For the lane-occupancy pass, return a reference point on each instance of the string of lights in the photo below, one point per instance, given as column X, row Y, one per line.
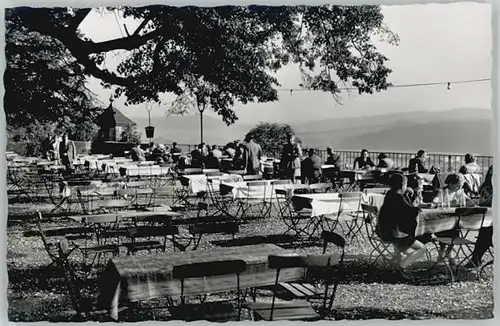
column 447, row 84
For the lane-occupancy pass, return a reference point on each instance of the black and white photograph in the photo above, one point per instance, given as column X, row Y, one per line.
column 249, row 162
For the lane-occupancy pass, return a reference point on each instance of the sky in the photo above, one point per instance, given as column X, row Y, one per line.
column 438, row 43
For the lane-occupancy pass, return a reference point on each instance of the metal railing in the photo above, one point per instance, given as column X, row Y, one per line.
column 445, row 162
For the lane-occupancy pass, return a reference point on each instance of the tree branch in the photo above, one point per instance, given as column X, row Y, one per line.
column 141, row 26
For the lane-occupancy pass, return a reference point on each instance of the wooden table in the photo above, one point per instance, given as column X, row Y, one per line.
column 136, row 278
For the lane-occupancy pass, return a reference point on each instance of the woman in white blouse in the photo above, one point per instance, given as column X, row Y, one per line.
column 452, row 195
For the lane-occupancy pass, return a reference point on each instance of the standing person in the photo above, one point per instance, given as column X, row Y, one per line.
column 363, row 161
column 240, row 160
column 47, row 149
column 67, row 152
column 290, row 159
column 254, row 156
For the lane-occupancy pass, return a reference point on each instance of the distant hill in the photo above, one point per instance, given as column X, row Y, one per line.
column 186, row 129
column 453, row 131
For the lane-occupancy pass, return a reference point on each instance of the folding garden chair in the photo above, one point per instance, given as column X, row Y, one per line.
column 164, row 232
column 296, row 221
column 464, row 246
column 200, row 229
column 84, row 306
column 298, row 308
column 203, row 311
column 322, row 272
column 256, row 201
column 382, row 250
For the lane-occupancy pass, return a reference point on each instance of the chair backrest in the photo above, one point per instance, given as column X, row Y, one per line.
column 205, row 269
column 214, row 228
column 252, row 177
column 46, row 244
column 332, row 237
column 251, row 184
column 151, row 231
column 351, row 194
column 205, row 171
column 212, row 174
column 323, row 187
column 189, row 171
column 382, row 191
column 471, row 223
column 70, row 276
column 281, row 182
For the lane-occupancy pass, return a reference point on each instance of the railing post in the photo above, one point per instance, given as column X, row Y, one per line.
column 449, row 163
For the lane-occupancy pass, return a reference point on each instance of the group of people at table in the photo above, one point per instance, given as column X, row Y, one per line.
column 403, row 202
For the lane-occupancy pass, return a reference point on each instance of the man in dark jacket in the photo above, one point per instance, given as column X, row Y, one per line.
column 311, row 167
column 418, row 163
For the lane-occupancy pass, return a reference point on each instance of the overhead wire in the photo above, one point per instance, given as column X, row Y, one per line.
column 447, row 83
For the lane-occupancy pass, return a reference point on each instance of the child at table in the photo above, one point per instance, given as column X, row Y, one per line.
column 453, row 194
column 415, row 190
column 397, row 222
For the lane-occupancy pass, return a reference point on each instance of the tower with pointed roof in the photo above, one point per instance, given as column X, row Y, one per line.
column 113, row 123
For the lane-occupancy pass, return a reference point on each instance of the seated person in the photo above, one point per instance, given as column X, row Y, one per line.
column 418, row 164
column 485, row 236
column 364, row 161
column 159, row 154
column 414, row 192
column 137, row 154
column 212, row 162
column 311, row 167
column 216, row 152
column 397, row 222
column 384, row 162
column 230, row 150
column 175, row 152
column 197, row 157
column 470, row 165
column 332, row 158
column 452, row 194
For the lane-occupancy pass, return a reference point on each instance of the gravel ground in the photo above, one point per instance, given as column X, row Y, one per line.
column 363, row 295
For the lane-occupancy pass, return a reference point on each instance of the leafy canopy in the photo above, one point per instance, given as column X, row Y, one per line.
column 272, row 137
column 44, row 84
column 214, row 57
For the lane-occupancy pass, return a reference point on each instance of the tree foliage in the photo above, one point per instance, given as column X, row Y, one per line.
column 271, row 136
column 222, row 55
column 44, row 84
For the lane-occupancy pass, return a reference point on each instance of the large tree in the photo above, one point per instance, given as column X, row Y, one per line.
column 272, row 137
column 217, row 56
column 44, row 84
